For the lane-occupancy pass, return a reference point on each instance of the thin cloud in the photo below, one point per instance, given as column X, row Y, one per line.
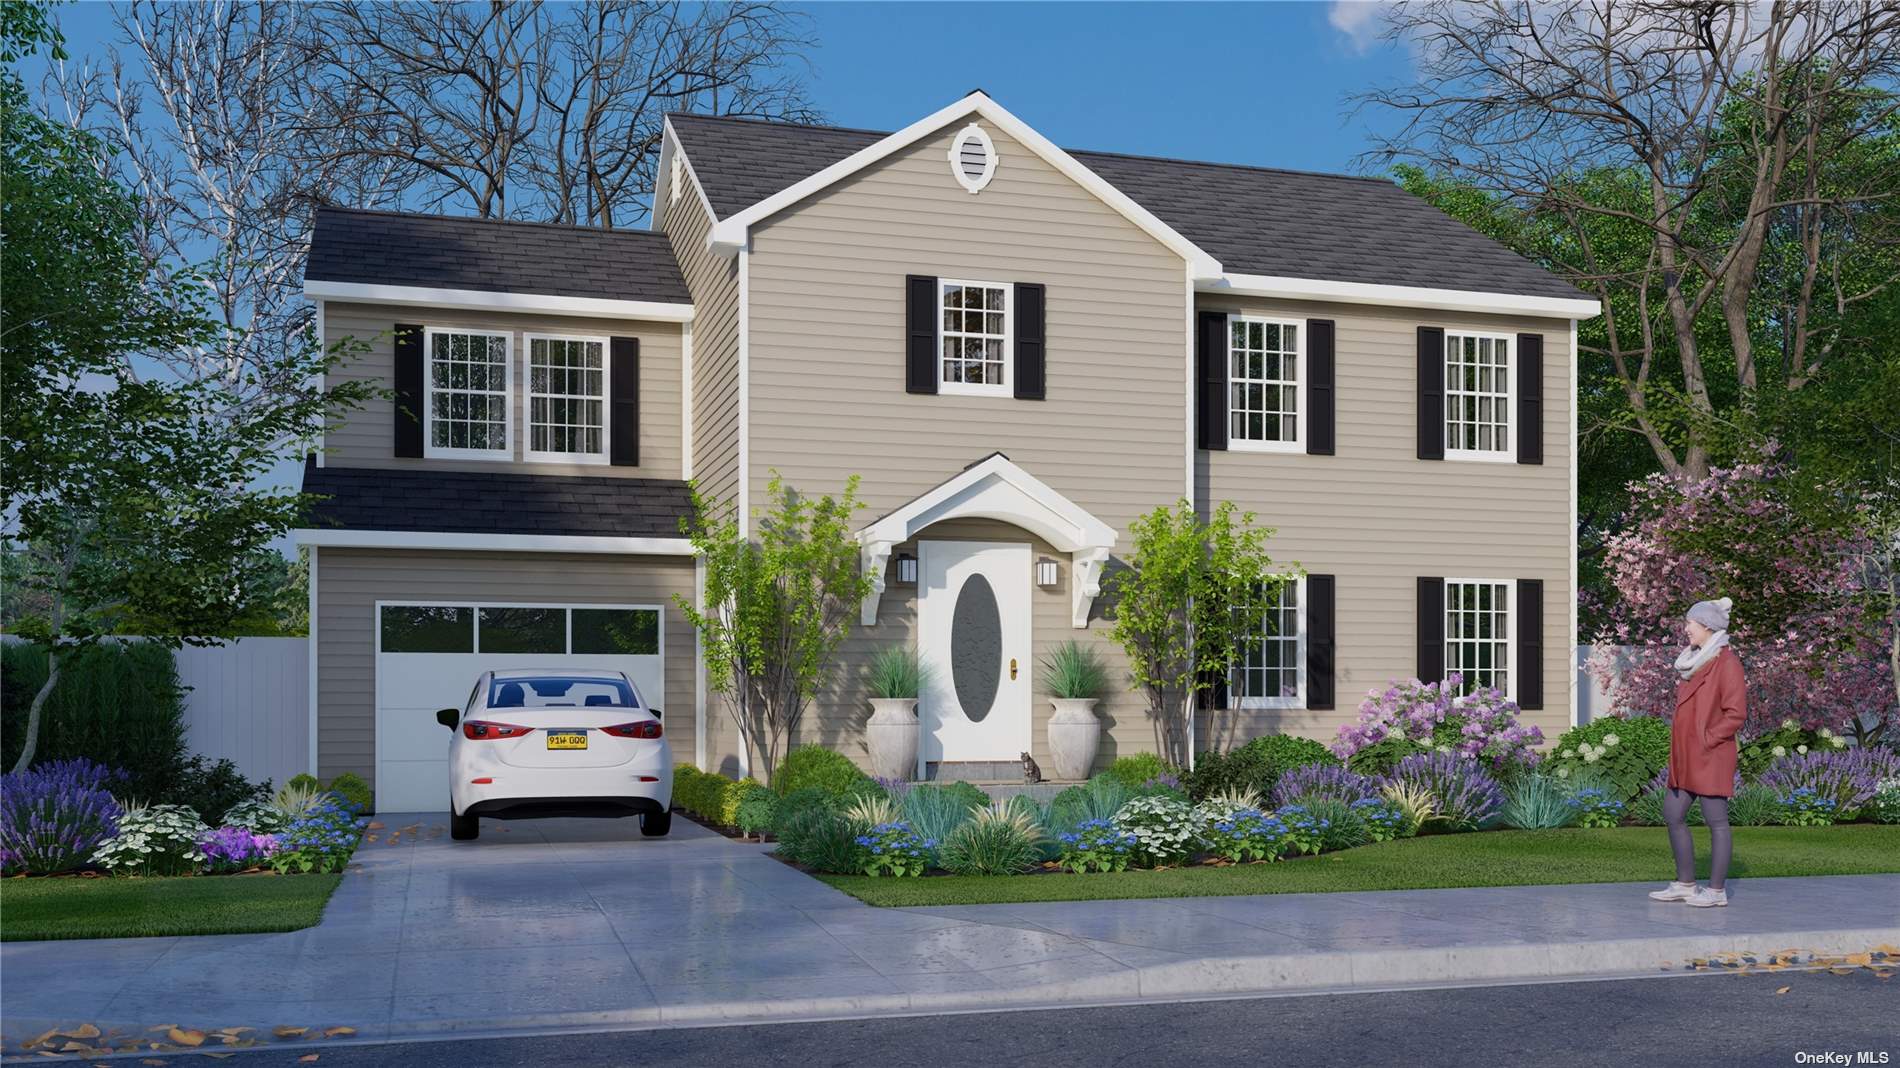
column 1358, row 20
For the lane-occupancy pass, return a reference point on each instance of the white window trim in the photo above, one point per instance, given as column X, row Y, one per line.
column 973, row 132
column 1510, row 629
column 430, row 450
column 1005, row 388
column 1298, row 444
column 567, row 621
column 529, row 453
column 1493, row 456
column 1298, row 700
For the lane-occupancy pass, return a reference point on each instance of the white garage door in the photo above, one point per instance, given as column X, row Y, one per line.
column 428, row 657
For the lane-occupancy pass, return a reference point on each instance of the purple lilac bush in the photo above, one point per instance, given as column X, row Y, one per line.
column 230, row 849
column 53, row 815
column 1465, row 793
column 1848, row 777
column 1328, row 781
column 1482, row 725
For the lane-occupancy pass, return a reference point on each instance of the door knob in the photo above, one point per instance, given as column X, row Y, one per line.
column 1012, row 669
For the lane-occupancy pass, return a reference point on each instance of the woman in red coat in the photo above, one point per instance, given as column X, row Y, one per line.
column 1710, row 709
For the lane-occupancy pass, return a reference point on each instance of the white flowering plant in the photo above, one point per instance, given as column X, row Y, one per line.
column 1165, row 830
column 1755, row 754
column 1886, row 804
column 154, row 840
column 1616, row 754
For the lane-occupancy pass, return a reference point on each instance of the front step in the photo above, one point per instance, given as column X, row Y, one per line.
column 974, row 771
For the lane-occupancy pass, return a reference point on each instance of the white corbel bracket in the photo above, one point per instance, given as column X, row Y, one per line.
column 873, row 554
column 1086, row 583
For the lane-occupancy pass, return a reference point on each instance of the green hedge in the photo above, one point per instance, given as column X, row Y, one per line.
column 117, row 703
column 1256, row 766
column 709, row 795
column 815, row 767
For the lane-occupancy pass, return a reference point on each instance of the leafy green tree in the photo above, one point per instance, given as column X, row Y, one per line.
column 776, row 607
column 131, row 496
column 1193, row 593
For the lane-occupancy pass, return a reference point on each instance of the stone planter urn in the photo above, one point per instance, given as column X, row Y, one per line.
column 891, row 735
column 1074, row 734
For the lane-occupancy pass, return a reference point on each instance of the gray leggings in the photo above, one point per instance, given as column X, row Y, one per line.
column 1714, row 813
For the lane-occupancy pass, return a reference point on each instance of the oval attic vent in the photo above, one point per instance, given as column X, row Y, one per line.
column 973, row 158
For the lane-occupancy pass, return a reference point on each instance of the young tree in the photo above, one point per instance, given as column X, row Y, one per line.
column 1192, row 594
column 776, row 608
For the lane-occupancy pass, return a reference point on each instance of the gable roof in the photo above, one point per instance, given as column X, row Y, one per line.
column 1253, row 220
column 353, row 245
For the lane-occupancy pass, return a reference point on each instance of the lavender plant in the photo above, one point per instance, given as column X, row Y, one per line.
column 1323, row 781
column 53, row 816
column 235, row 848
column 1848, row 777
column 1464, row 795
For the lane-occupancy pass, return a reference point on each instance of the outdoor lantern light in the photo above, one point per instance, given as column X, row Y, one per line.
column 1048, row 572
column 907, row 569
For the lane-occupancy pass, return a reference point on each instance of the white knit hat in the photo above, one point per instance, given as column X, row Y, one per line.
column 1712, row 614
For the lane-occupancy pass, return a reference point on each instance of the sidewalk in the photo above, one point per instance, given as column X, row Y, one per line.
column 562, row 925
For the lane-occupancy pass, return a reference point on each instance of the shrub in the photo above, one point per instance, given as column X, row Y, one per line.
column 1075, row 671
column 1343, row 827
column 814, row 766
column 1597, row 807
column 1329, row 781
column 1255, row 766
column 297, row 797
column 938, row 810
column 234, row 848
column 1098, row 799
column 1163, row 828
column 1305, row 832
column 1245, row 835
column 210, row 790
column 1383, row 755
column 1139, row 768
column 1003, row 840
column 1463, row 794
column 1482, row 724
column 320, row 840
column 896, row 672
column 53, row 816
column 1383, row 820
column 350, row 787
column 812, row 831
column 1538, row 802
column 1804, row 806
column 1754, row 805
column 753, row 813
column 1887, row 801
column 1848, row 777
column 1618, row 754
column 154, row 840
column 117, row 703
column 709, row 795
column 1096, row 845
column 893, row 849
column 1047, row 847
column 304, row 781
column 1755, row 756
column 256, row 816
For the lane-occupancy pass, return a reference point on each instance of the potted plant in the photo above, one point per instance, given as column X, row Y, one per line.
column 1076, row 678
column 896, row 679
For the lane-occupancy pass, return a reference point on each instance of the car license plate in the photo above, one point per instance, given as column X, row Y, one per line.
column 567, row 739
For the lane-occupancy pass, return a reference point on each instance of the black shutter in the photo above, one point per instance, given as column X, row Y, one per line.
column 1431, row 393
column 1319, row 641
column 623, row 379
column 1431, row 629
column 408, row 382
column 1029, row 341
column 1319, row 388
column 1530, row 643
column 920, row 351
column 1210, row 357
column 1530, row 400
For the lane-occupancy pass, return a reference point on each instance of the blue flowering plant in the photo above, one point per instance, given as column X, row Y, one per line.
column 1804, row 806
column 1384, row 820
column 1244, row 836
column 894, row 849
column 54, row 815
column 1096, row 845
column 1305, row 832
column 1597, row 807
column 321, row 839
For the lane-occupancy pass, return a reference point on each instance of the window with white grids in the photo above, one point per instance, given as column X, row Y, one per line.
column 1478, row 632
column 468, row 401
column 974, row 339
column 1272, row 668
column 567, row 399
column 1263, row 382
column 1478, row 396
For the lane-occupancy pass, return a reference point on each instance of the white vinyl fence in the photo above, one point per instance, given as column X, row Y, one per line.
column 248, row 701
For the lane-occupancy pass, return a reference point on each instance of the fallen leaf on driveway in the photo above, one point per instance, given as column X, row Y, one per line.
column 308, row 1058
column 339, row 1032
column 31, row 1042
column 289, row 1032
column 186, row 1037
column 1783, row 990
column 87, row 1031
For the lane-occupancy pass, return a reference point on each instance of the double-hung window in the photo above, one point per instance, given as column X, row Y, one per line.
column 567, row 399
column 1479, row 396
column 1478, row 632
column 467, row 403
column 974, row 341
column 1272, row 668
column 1265, row 387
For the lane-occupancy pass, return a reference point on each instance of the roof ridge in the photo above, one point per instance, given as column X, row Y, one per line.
column 565, row 227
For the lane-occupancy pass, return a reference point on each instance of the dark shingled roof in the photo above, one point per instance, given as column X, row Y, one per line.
column 492, row 255
column 1255, row 220
column 494, row 502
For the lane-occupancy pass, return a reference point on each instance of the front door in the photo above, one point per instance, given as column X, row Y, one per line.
column 973, row 633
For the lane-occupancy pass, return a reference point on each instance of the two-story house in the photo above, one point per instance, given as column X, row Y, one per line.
column 1020, row 349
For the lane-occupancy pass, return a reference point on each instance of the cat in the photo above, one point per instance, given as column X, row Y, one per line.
column 1032, row 772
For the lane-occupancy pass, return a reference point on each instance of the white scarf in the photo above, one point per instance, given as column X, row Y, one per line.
column 1693, row 658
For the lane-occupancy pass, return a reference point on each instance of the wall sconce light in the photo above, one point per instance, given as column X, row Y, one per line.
column 907, row 569
column 1048, row 572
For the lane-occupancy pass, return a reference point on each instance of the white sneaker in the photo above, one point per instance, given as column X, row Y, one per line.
column 1707, row 898
column 1674, row 892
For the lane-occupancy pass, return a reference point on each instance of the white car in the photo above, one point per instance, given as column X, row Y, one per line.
column 557, row 743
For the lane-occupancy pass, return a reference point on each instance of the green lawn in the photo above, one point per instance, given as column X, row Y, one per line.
column 1488, row 858
column 140, row 908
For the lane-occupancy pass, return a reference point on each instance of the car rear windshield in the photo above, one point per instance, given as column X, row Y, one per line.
column 561, row 691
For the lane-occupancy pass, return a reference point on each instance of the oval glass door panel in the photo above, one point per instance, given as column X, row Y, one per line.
column 976, row 648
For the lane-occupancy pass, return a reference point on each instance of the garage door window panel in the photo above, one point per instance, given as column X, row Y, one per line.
column 428, row 629
column 523, row 630
column 616, row 631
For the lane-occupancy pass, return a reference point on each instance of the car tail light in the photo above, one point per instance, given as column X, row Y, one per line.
column 487, row 730
column 646, row 728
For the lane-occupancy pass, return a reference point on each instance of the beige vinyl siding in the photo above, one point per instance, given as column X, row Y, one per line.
column 1378, row 518
column 826, row 370
column 365, row 437
column 351, row 581
column 713, row 281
